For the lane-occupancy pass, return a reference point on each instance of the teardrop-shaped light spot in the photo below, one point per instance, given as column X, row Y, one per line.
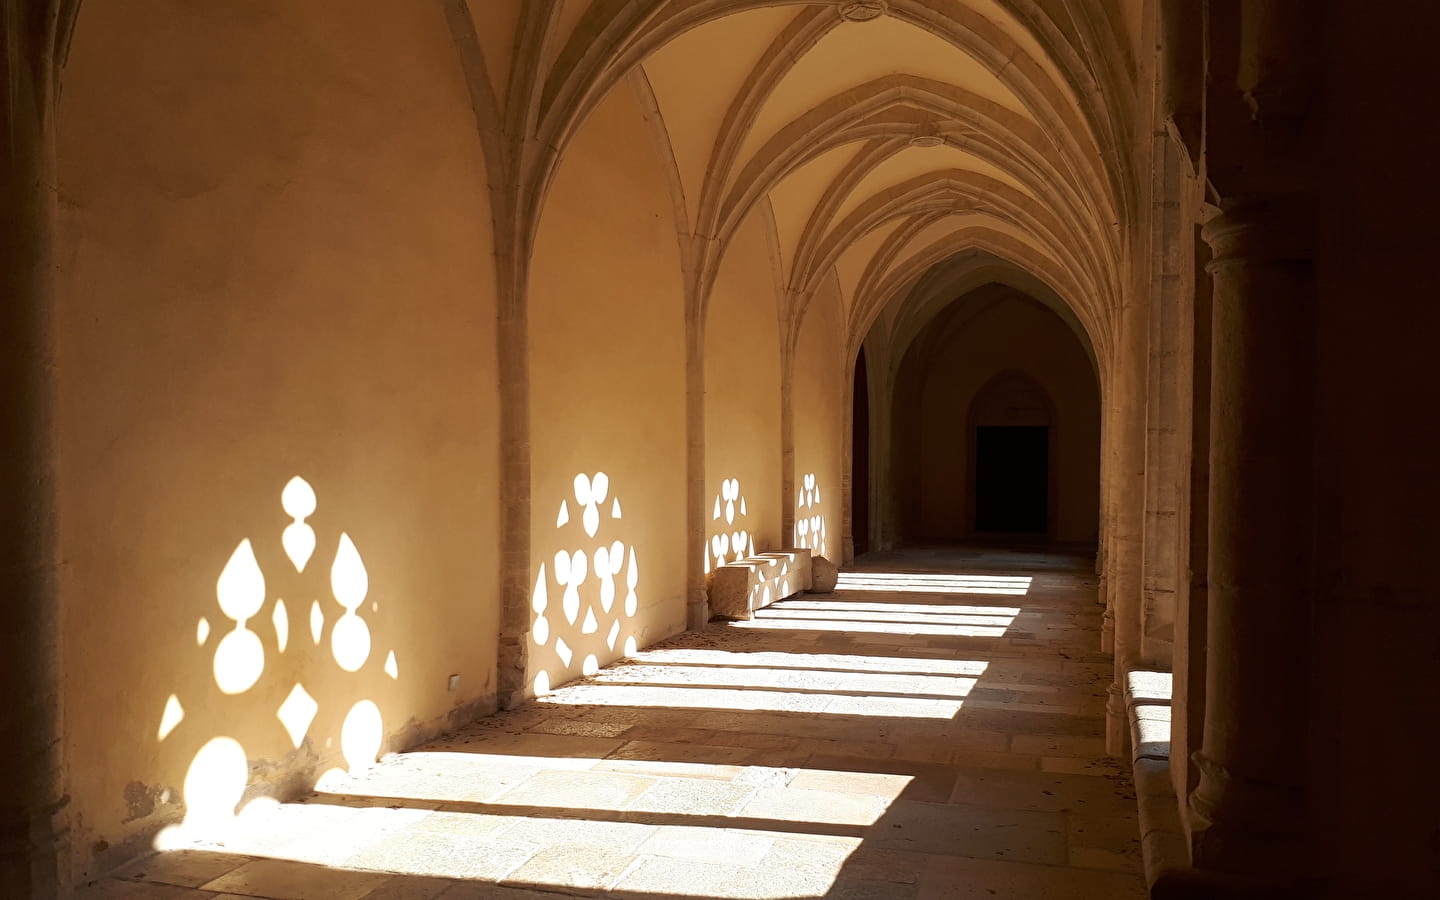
column 614, row 636
column 542, row 684
column 631, row 648
column 591, row 665
column 717, row 509
column 591, row 624
column 632, row 575
column 317, row 622
column 281, row 620
column 615, row 509
column 582, row 489
column 599, row 487
column 607, row 591
column 540, row 631
column 174, row 713
column 579, row 567
column 562, row 567
column 348, row 579
column 298, row 539
column 743, row 511
column 602, row 560
column 729, row 511
column 617, row 557
column 202, row 631
column 563, row 651
column 392, row 668
column 591, row 519
column 241, row 585
column 570, row 603
column 563, row 518
column 541, row 597
column 817, row 495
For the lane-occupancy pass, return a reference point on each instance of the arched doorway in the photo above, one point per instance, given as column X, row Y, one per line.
column 1011, row 432
column 860, row 458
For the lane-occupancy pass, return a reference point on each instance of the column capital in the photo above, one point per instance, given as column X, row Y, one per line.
column 1273, row 228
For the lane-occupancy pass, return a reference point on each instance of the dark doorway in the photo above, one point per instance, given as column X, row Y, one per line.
column 1012, row 479
column 860, row 459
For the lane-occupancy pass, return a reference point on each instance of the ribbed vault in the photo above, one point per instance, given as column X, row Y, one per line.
column 886, row 137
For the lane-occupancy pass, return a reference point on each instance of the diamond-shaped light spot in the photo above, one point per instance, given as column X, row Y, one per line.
column 297, row 712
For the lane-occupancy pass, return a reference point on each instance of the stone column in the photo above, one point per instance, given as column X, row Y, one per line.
column 29, row 642
column 1248, row 807
column 1125, row 548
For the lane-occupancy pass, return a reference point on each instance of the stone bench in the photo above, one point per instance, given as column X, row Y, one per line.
column 739, row 588
column 1162, row 837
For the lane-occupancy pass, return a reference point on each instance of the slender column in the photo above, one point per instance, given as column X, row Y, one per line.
column 1247, row 809
column 697, row 601
column 1125, row 549
column 29, row 642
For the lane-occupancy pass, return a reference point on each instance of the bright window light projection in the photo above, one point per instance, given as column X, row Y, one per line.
column 1012, row 585
column 532, row 783
column 585, row 598
column 247, row 652
column 729, row 540
column 809, row 520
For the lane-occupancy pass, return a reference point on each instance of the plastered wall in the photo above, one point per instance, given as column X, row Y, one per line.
column 742, row 402
column 819, row 401
column 607, row 411
column 937, row 386
column 273, row 262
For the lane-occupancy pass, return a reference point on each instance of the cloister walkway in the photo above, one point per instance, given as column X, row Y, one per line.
column 932, row 729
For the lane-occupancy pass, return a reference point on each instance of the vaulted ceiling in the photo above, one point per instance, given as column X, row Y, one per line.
column 901, row 146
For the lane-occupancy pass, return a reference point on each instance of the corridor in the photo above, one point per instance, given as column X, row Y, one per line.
column 934, row 728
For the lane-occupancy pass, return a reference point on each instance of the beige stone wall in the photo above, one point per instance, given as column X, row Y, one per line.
column 607, row 366
column 273, row 262
column 932, row 453
column 820, row 397
column 742, row 401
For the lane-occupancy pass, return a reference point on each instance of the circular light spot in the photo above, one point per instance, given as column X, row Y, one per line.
column 214, row 783
column 361, row 735
column 541, row 631
column 239, row 660
column 298, row 498
column 350, row 642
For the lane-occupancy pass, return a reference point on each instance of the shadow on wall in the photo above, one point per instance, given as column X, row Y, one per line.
column 729, row 540
column 590, row 622
column 810, row 520
column 268, row 629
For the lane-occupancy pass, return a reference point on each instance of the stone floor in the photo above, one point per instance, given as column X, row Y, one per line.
column 931, row 730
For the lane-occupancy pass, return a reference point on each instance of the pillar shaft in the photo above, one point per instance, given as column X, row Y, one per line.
column 29, row 714
column 1248, row 805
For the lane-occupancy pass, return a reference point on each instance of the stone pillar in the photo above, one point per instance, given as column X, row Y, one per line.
column 1125, row 548
column 29, row 641
column 1248, row 807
